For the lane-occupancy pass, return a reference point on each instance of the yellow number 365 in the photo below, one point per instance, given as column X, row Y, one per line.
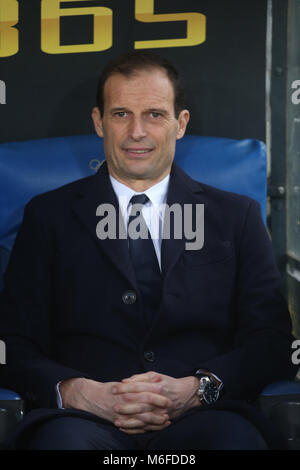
column 51, row 12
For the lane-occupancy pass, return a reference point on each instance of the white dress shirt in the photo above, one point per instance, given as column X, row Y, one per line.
column 153, row 210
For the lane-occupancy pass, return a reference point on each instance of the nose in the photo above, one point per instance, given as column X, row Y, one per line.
column 137, row 128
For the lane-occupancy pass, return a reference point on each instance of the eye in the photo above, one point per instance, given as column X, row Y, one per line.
column 120, row 114
column 155, row 114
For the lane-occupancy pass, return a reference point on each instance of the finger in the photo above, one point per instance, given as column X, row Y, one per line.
column 132, row 431
column 156, row 427
column 147, row 377
column 136, row 408
column 138, row 421
column 129, row 423
column 136, row 387
column 148, row 398
column 153, row 418
column 146, row 428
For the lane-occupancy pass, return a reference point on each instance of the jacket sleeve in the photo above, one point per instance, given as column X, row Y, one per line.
column 262, row 347
column 25, row 315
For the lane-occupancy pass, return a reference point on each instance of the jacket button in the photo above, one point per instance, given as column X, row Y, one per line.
column 149, row 356
column 129, row 297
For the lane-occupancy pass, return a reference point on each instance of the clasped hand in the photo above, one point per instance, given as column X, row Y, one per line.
column 151, row 400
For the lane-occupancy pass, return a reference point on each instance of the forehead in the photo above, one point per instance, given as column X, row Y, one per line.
column 150, row 88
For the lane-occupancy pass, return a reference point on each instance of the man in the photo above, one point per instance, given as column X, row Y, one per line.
column 122, row 345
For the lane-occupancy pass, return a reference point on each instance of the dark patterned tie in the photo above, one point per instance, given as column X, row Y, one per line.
column 143, row 256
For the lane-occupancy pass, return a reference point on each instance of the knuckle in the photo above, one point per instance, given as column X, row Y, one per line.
column 150, row 398
column 127, row 397
column 162, row 419
column 147, row 417
column 145, row 397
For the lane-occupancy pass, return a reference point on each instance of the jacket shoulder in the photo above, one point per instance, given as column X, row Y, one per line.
column 60, row 195
column 228, row 197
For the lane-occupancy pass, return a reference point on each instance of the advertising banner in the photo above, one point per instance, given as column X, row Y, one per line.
column 52, row 51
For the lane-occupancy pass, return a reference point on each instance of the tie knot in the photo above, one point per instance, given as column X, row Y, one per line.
column 139, row 199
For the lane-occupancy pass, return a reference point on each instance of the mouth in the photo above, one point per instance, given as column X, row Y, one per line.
column 138, row 152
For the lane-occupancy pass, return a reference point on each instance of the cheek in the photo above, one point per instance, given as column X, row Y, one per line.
column 169, row 143
column 111, row 140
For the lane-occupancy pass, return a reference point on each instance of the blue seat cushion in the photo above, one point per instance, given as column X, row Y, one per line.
column 6, row 394
column 285, row 387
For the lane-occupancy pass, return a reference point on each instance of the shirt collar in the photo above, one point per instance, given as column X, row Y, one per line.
column 156, row 193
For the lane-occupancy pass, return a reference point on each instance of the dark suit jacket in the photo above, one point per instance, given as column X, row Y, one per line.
column 64, row 313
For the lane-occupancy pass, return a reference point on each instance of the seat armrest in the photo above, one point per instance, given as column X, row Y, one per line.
column 11, row 413
column 280, row 402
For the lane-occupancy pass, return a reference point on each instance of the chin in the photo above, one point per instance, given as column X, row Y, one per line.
column 139, row 173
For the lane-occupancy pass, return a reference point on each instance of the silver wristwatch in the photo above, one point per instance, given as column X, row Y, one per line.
column 210, row 386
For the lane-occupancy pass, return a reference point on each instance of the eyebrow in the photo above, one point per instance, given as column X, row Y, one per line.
column 112, row 110
column 158, row 110
column 149, row 110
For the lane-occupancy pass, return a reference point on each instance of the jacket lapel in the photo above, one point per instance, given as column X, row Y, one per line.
column 99, row 191
column 182, row 190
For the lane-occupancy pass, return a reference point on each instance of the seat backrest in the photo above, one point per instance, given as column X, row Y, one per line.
column 33, row 167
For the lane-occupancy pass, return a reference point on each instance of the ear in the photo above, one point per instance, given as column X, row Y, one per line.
column 183, row 120
column 97, row 119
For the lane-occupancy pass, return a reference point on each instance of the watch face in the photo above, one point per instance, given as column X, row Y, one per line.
column 211, row 392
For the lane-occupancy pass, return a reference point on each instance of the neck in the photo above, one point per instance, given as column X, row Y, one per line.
column 139, row 185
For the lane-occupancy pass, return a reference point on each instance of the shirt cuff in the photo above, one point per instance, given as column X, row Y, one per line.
column 58, row 396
